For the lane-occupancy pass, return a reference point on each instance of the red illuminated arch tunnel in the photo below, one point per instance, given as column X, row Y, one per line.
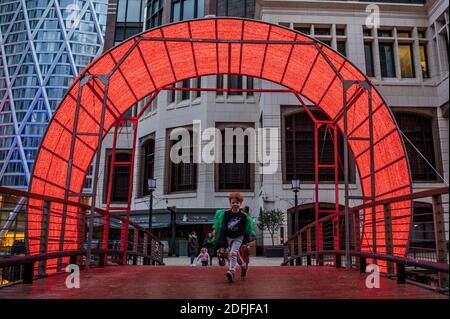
column 146, row 63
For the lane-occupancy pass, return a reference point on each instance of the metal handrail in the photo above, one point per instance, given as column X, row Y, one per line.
column 412, row 196
column 25, row 264
column 293, row 248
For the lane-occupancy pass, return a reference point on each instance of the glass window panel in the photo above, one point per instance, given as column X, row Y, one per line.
column 235, row 82
column 134, row 11
column 385, row 33
column 176, row 12
column 219, row 84
column 341, row 48
column 188, row 9
column 340, row 31
column 304, row 30
column 200, row 8
column 369, row 59
column 406, row 60
column 322, row 31
column 424, row 61
column 121, row 10
column 387, row 60
column 419, row 131
column 236, row 8
column 250, row 85
column 404, row 34
column 185, row 93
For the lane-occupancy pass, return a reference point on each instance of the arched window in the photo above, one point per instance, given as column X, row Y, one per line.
column 418, row 129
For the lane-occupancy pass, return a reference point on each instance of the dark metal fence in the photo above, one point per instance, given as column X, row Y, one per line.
column 18, row 263
column 426, row 259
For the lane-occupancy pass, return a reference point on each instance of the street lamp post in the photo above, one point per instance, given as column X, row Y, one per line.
column 151, row 188
column 295, row 189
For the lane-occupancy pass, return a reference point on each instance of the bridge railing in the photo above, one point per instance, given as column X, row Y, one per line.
column 23, row 259
column 426, row 260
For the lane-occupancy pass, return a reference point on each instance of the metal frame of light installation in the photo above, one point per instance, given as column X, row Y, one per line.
column 125, row 66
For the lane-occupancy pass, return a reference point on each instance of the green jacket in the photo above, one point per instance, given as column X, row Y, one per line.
column 219, row 226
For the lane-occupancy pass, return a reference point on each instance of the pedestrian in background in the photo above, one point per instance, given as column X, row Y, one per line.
column 193, row 246
column 209, row 244
column 203, row 256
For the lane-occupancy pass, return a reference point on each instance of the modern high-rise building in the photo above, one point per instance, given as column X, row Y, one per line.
column 44, row 44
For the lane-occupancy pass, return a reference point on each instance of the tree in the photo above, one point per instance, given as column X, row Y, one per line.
column 271, row 220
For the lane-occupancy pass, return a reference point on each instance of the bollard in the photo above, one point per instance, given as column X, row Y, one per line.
column 362, row 265
column 101, row 260
column 28, row 273
column 338, row 261
column 401, row 273
column 73, row 260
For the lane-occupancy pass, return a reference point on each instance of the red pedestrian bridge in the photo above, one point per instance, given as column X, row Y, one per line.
column 141, row 273
column 327, row 258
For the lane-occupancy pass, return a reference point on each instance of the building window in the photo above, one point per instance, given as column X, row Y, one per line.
column 327, row 42
column 318, row 31
column 120, row 178
column 250, row 85
column 403, row 34
column 299, row 148
column 235, row 82
column 387, row 60
column 424, row 61
column 238, row 174
column 418, row 129
column 304, row 30
column 186, row 84
column 341, row 48
column 367, row 32
column 340, row 31
column 219, row 84
column 406, row 60
column 154, row 13
column 197, row 85
column 187, row 9
column 148, row 161
column 385, row 33
column 369, row 59
column 171, row 94
column 422, row 232
column 183, row 175
column 236, row 8
column 129, row 19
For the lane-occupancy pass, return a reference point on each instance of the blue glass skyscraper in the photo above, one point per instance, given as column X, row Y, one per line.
column 43, row 46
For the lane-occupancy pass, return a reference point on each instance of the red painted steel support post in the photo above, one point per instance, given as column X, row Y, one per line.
column 106, row 218
column 125, row 223
column 308, row 241
column 316, row 183
column 336, row 240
